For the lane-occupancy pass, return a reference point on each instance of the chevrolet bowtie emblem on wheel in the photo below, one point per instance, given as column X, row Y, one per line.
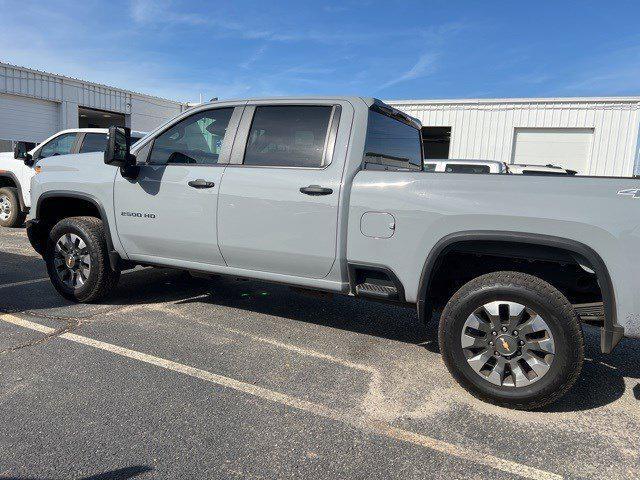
column 633, row 192
column 505, row 344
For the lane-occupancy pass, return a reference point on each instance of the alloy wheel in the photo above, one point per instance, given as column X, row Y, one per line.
column 72, row 260
column 5, row 208
column 508, row 344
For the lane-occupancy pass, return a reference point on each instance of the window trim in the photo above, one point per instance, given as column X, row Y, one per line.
column 239, row 150
column 227, row 142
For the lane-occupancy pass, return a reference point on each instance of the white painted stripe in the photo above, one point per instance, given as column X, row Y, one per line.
column 24, row 282
column 368, row 424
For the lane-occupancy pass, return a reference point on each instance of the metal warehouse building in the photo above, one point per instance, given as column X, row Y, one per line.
column 594, row 136
column 34, row 105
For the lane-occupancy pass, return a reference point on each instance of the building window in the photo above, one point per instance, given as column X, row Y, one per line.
column 436, row 141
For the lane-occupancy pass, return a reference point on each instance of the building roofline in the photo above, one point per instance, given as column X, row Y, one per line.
column 95, row 84
column 480, row 101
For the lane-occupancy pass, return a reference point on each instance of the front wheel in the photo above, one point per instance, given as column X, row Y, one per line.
column 78, row 261
column 512, row 339
column 10, row 213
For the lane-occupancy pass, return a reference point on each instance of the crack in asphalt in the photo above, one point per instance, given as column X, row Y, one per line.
column 71, row 325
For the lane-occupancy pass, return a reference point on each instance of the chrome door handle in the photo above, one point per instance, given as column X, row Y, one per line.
column 201, row 183
column 316, row 190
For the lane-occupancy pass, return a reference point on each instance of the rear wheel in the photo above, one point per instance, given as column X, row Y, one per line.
column 77, row 260
column 10, row 213
column 512, row 339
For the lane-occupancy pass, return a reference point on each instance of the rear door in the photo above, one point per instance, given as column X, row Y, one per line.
column 278, row 204
column 168, row 212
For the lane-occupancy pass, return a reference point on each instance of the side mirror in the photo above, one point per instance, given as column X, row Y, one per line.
column 21, row 152
column 118, row 146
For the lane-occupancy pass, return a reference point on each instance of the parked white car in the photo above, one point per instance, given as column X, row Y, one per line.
column 17, row 167
column 491, row 166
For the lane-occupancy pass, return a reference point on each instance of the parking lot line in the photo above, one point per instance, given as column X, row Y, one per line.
column 24, row 282
column 368, row 424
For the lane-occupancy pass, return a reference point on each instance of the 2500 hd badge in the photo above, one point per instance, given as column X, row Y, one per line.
column 138, row 214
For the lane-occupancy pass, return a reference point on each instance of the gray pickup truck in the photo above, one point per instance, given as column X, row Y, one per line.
column 329, row 194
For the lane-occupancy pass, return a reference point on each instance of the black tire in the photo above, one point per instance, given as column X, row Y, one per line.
column 535, row 294
column 102, row 279
column 15, row 216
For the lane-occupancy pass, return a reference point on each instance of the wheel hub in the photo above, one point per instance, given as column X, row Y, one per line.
column 508, row 344
column 70, row 261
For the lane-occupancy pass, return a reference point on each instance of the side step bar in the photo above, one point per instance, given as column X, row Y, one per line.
column 373, row 290
column 590, row 312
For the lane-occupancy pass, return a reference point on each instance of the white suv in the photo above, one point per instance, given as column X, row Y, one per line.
column 17, row 168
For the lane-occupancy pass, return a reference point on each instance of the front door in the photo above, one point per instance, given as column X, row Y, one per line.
column 168, row 212
column 278, row 205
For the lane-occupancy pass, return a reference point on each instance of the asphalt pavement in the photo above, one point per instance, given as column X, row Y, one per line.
column 175, row 377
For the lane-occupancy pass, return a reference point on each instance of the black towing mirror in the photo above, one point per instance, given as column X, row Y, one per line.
column 118, row 152
column 21, row 152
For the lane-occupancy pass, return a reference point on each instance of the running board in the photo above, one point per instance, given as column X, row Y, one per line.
column 373, row 290
column 590, row 312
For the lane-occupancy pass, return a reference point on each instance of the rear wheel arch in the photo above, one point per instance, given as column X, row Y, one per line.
column 611, row 331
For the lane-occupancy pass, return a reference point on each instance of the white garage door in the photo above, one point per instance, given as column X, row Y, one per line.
column 565, row 147
column 27, row 119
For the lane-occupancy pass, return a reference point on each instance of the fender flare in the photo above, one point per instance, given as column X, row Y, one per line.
column 11, row 176
column 611, row 332
column 114, row 257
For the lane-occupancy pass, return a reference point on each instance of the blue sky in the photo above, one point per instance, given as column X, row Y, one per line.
column 388, row 49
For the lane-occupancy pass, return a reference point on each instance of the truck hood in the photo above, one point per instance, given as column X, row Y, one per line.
column 7, row 162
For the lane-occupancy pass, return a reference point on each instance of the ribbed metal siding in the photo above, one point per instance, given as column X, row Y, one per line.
column 27, row 119
column 29, row 83
column 486, row 130
column 104, row 98
column 17, row 81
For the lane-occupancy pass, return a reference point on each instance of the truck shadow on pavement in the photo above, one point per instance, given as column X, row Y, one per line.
column 602, row 381
column 119, row 474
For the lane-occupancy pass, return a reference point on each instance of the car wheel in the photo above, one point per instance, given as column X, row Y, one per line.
column 10, row 213
column 78, row 261
column 512, row 339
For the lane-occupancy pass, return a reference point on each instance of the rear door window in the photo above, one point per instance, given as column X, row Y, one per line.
column 94, row 142
column 288, row 136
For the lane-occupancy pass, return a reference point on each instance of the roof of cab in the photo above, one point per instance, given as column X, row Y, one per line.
column 368, row 101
